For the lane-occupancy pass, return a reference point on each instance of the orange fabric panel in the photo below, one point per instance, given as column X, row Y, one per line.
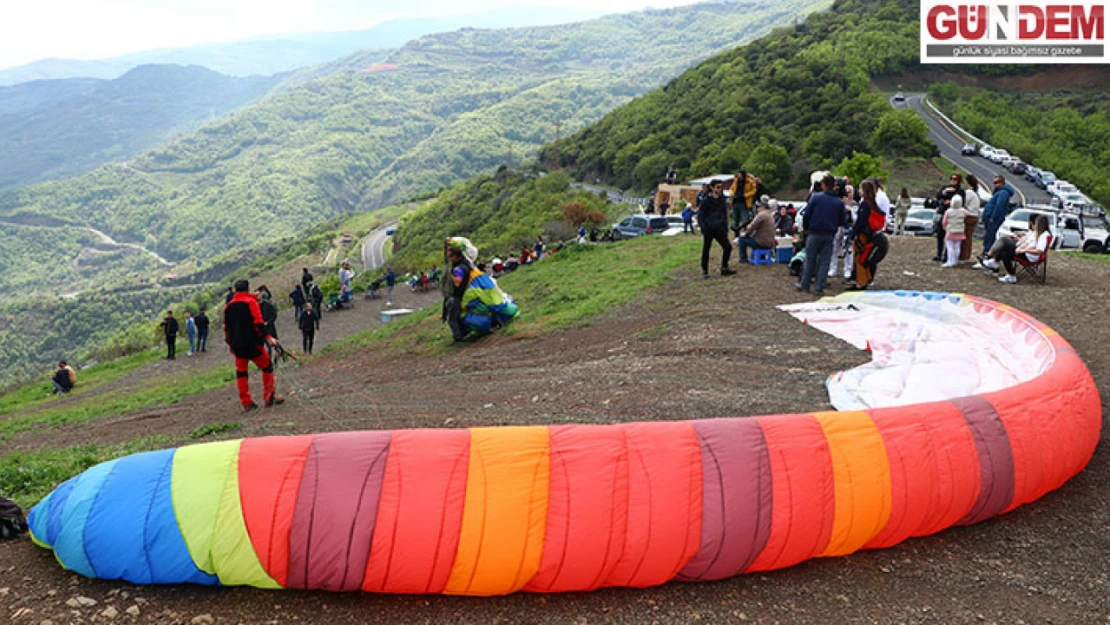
column 269, row 479
column 664, row 503
column 934, row 469
column 420, row 512
column 802, row 491
column 501, row 542
column 861, row 473
column 587, row 509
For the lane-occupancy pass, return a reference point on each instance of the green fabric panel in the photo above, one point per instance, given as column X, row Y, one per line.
column 206, row 502
column 199, row 475
column 237, row 563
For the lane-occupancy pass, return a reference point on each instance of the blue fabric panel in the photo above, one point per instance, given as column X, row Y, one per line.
column 483, row 281
column 69, row 547
column 129, row 535
column 58, row 500
column 170, row 562
column 479, row 324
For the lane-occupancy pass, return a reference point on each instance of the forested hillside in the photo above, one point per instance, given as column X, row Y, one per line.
column 1068, row 134
column 59, row 128
column 804, row 89
column 497, row 212
column 442, row 108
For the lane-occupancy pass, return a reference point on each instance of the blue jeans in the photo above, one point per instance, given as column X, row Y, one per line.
column 819, row 248
column 202, row 340
column 192, row 343
column 743, row 243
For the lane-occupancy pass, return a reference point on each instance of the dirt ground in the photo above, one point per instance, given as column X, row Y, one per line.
column 694, row 348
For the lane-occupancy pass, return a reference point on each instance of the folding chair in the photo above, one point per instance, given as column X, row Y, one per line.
column 1036, row 268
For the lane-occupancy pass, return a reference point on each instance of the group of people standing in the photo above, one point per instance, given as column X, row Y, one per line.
column 836, row 216
column 196, row 330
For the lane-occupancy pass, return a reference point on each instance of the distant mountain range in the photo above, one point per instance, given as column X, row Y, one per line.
column 58, row 128
column 272, row 55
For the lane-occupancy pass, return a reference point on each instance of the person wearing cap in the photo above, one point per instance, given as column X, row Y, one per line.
column 760, row 233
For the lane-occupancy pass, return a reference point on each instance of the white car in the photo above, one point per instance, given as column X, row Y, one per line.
column 1070, row 200
column 1060, row 187
column 1008, row 161
column 1066, row 237
column 998, row 155
column 675, row 225
column 986, row 151
column 919, row 221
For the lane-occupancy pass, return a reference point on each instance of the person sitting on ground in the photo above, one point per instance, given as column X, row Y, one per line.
column 64, row 378
column 1033, row 250
column 498, row 266
column 760, row 233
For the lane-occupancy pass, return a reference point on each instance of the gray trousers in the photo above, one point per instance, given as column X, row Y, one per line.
column 819, row 250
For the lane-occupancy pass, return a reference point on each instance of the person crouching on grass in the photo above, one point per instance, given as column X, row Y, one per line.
column 245, row 334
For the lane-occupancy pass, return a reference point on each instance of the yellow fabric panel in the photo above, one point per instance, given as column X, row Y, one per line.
column 206, row 502
column 861, row 477
column 237, row 563
column 505, row 515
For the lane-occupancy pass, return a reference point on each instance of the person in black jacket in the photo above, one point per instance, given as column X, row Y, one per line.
column 453, row 289
column 269, row 317
column 713, row 218
column 307, row 324
column 201, row 321
column 317, row 302
column 944, row 200
column 245, row 335
column 297, row 296
column 306, row 279
column 170, row 328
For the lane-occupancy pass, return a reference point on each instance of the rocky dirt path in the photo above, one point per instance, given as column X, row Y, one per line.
column 693, row 348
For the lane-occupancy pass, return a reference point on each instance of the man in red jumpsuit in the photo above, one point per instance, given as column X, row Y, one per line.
column 246, row 336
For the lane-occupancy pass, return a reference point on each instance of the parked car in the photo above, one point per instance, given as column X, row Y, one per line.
column 675, row 225
column 1032, row 174
column 919, row 222
column 998, row 155
column 1007, row 162
column 1070, row 200
column 1060, row 186
column 969, row 149
column 899, row 97
column 1046, row 179
column 1096, row 234
column 639, row 225
column 1017, row 222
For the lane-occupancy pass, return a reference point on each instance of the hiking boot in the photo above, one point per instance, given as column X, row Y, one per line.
column 725, row 271
column 249, row 407
column 704, row 276
column 275, row 401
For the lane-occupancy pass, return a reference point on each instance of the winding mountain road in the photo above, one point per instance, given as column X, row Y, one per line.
column 949, row 141
column 373, row 247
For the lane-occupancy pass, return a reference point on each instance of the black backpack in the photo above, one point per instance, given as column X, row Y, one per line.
column 12, row 523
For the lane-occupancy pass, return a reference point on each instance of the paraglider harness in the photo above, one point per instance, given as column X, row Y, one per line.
column 12, row 522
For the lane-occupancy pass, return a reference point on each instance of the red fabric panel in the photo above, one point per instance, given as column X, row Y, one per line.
column 803, row 499
column 934, row 469
column 269, row 479
column 336, row 511
column 587, row 508
column 1050, row 440
column 420, row 512
column 664, row 503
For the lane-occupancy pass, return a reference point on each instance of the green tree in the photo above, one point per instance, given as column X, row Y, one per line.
column 771, row 163
column 902, row 133
column 859, row 166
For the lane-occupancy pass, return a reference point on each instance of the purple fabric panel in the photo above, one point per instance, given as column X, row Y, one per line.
column 996, row 458
column 342, row 480
column 736, row 508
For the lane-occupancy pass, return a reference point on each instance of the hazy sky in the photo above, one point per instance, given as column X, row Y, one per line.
column 92, row 29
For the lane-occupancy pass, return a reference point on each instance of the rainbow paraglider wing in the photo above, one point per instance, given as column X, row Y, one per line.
column 490, row 511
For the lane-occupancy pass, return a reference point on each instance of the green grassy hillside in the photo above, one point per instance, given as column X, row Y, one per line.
column 442, row 108
column 805, row 89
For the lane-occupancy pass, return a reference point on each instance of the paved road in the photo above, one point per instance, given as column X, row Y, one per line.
column 373, row 247
column 949, row 143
